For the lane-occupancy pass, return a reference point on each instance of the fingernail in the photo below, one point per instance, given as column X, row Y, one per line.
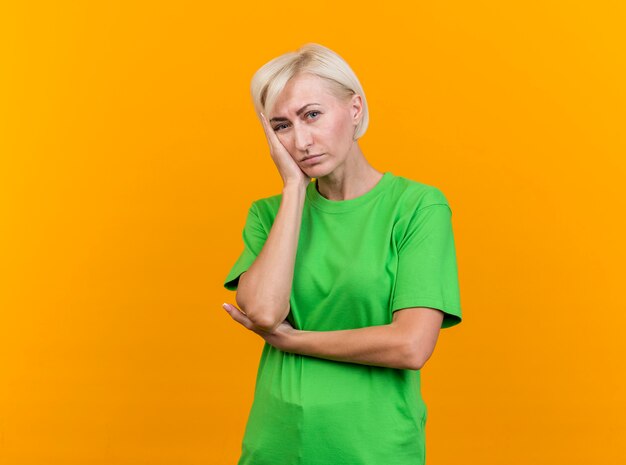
column 226, row 306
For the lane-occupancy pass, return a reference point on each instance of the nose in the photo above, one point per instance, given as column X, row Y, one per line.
column 302, row 136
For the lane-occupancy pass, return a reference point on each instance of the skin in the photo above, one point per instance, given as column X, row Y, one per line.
column 343, row 173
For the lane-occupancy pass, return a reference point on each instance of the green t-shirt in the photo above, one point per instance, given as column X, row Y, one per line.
column 357, row 262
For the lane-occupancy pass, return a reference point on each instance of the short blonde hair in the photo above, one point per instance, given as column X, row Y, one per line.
column 269, row 81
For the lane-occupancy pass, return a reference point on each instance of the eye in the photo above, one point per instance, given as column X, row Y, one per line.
column 316, row 112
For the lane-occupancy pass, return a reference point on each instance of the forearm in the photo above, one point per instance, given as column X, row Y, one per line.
column 384, row 345
column 265, row 288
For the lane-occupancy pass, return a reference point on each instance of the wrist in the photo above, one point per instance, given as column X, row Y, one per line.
column 290, row 341
column 294, row 187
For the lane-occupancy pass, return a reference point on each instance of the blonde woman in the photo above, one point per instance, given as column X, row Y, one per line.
column 348, row 279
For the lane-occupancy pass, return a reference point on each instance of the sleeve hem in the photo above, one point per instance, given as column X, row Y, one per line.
column 452, row 314
column 232, row 280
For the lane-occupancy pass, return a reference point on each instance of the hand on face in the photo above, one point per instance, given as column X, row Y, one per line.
column 289, row 170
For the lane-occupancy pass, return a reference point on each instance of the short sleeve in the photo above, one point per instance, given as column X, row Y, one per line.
column 254, row 236
column 427, row 268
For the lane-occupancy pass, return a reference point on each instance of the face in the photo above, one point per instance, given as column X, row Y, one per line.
column 309, row 120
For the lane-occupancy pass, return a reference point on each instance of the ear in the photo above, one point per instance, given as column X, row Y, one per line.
column 356, row 108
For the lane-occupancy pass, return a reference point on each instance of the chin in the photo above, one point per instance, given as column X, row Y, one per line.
column 318, row 171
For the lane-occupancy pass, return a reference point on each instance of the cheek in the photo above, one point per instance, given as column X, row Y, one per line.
column 341, row 131
column 286, row 141
column 283, row 139
column 333, row 129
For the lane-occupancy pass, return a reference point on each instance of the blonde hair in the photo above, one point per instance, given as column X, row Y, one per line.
column 269, row 81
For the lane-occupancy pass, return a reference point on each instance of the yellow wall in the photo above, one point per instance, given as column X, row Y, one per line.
column 130, row 153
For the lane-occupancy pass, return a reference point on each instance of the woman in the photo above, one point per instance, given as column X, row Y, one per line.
column 348, row 279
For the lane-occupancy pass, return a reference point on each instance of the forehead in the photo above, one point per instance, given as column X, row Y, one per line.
column 300, row 90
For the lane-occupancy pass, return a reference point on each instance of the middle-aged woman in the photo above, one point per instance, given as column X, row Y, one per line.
column 348, row 279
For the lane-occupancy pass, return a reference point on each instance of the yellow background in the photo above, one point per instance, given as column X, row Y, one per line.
column 130, row 153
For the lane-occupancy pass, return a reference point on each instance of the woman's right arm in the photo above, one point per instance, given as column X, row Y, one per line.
column 264, row 290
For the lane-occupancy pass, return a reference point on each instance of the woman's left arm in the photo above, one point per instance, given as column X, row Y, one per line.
column 405, row 343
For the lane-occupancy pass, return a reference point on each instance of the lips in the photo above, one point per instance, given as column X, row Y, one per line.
column 311, row 156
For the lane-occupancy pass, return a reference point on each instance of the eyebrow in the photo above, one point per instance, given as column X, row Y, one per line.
column 282, row 118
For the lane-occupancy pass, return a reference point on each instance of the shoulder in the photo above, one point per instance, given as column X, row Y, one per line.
column 266, row 208
column 415, row 195
column 268, row 202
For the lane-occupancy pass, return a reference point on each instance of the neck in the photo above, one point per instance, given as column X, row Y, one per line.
column 350, row 180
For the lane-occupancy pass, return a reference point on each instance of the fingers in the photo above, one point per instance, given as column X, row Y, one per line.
column 267, row 128
column 238, row 315
column 285, row 162
column 266, row 125
column 272, row 138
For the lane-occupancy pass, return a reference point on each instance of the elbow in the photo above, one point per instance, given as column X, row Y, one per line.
column 417, row 364
column 262, row 318
column 415, row 357
column 265, row 324
column 241, row 302
column 414, row 364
